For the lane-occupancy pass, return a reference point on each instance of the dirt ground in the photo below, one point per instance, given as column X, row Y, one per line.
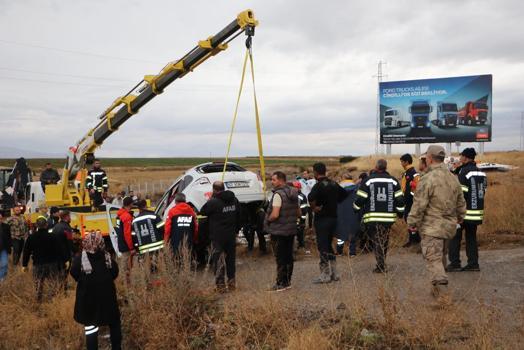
column 498, row 287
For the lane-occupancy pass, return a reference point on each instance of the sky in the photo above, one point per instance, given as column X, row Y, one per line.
column 64, row 62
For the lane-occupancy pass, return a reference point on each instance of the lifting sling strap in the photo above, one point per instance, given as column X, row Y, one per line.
column 249, row 55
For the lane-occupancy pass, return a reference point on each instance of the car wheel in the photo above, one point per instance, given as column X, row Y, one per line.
column 399, row 124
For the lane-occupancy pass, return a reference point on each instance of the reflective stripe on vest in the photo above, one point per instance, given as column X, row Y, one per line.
column 151, row 247
column 379, row 217
column 362, row 194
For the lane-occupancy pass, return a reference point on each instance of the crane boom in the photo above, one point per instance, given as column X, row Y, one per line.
column 150, row 86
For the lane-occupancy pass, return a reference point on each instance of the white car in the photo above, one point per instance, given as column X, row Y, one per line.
column 196, row 183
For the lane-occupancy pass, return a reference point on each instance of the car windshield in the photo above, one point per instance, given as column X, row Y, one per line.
column 218, row 168
column 389, row 113
column 449, row 107
column 420, row 109
column 481, row 105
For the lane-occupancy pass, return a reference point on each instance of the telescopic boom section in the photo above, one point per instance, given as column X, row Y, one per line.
column 152, row 85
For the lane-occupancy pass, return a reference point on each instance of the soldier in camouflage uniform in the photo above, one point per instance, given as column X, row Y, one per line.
column 437, row 208
column 19, row 232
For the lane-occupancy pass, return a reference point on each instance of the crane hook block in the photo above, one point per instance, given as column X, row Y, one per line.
column 246, row 19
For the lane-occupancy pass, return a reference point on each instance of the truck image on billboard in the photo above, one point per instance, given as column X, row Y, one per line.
column 436, row 110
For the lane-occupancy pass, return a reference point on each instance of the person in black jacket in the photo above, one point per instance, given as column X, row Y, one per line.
column 97, row 184
column 5, row 247
column 381, row 200
column 324, row 198
column 223, row 214
column 96, row 304
column 54, row 218
column 63, row 233
column 474, row 184
column 42, row 246
column 49, row 176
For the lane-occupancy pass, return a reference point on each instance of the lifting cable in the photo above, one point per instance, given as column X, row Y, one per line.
column 249, row 54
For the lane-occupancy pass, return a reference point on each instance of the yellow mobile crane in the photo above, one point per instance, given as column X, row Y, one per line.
column 70, row 193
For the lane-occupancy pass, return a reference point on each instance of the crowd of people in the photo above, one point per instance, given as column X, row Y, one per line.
column 438, row 202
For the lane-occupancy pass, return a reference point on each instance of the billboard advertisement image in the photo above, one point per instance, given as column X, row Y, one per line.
column 436, row 110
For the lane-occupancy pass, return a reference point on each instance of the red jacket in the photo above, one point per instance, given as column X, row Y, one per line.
column 180, row 209
column 124, row 229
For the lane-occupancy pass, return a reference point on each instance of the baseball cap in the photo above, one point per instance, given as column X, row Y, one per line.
column 435, row 150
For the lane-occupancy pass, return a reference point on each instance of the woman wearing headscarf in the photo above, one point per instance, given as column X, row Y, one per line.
column 96, row 303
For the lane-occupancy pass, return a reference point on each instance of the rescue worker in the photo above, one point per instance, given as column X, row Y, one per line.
column 473, row 183
column 49, row 176
column 223, row 215
column 96, row 303
column 63, row 233
column 19, row 232
column 437, row 207
column 181, row 229
column 381, row 199
column 123, row 228
column 97, row 184
column 42, row 247
column 281, row 224
column 304, row 211
column 409, row 180
column 147, row 234
column 324, row 198
column 5, row 247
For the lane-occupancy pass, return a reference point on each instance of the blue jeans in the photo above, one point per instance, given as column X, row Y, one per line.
column 3, row 264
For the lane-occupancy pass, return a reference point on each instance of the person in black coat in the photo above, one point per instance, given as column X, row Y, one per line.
column 223, row 215
column 43, row 248
column 96, row 304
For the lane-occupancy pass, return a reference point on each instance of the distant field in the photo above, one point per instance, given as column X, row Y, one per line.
column 38, row 163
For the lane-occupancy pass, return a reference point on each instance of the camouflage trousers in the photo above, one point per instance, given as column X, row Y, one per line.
column 434, row 251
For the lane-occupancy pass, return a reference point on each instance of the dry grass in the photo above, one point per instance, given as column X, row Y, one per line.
column 182, row 312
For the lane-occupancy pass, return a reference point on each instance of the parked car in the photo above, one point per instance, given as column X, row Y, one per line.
column 447, row 113
column 420, row 111
column 393, row 118
column 473, row 113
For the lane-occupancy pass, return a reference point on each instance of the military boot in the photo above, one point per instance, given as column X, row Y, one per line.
column 325, row 274
column 333, row 271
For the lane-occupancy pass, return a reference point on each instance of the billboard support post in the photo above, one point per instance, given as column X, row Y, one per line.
column 388, row 149
column 417, row 150
column 457, row 143
column 448, row 148
column 481, row 148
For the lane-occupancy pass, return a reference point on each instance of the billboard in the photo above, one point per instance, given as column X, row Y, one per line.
column 436, row 110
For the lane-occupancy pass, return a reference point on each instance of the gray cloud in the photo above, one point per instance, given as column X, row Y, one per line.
column 63, row 63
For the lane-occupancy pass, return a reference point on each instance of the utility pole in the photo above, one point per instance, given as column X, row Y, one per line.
column 522, row 131
column 379, row 77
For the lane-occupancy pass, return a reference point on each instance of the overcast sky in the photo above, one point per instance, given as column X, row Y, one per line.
column 63, row 62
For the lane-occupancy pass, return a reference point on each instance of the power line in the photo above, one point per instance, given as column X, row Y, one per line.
column 85, row 53
column 59, row 82
column 63, row 74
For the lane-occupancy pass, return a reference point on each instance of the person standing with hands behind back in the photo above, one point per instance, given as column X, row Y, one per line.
column 324, row 198
column 96, row 304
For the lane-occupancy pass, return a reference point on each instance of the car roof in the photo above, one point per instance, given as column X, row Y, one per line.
column 217, row 167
